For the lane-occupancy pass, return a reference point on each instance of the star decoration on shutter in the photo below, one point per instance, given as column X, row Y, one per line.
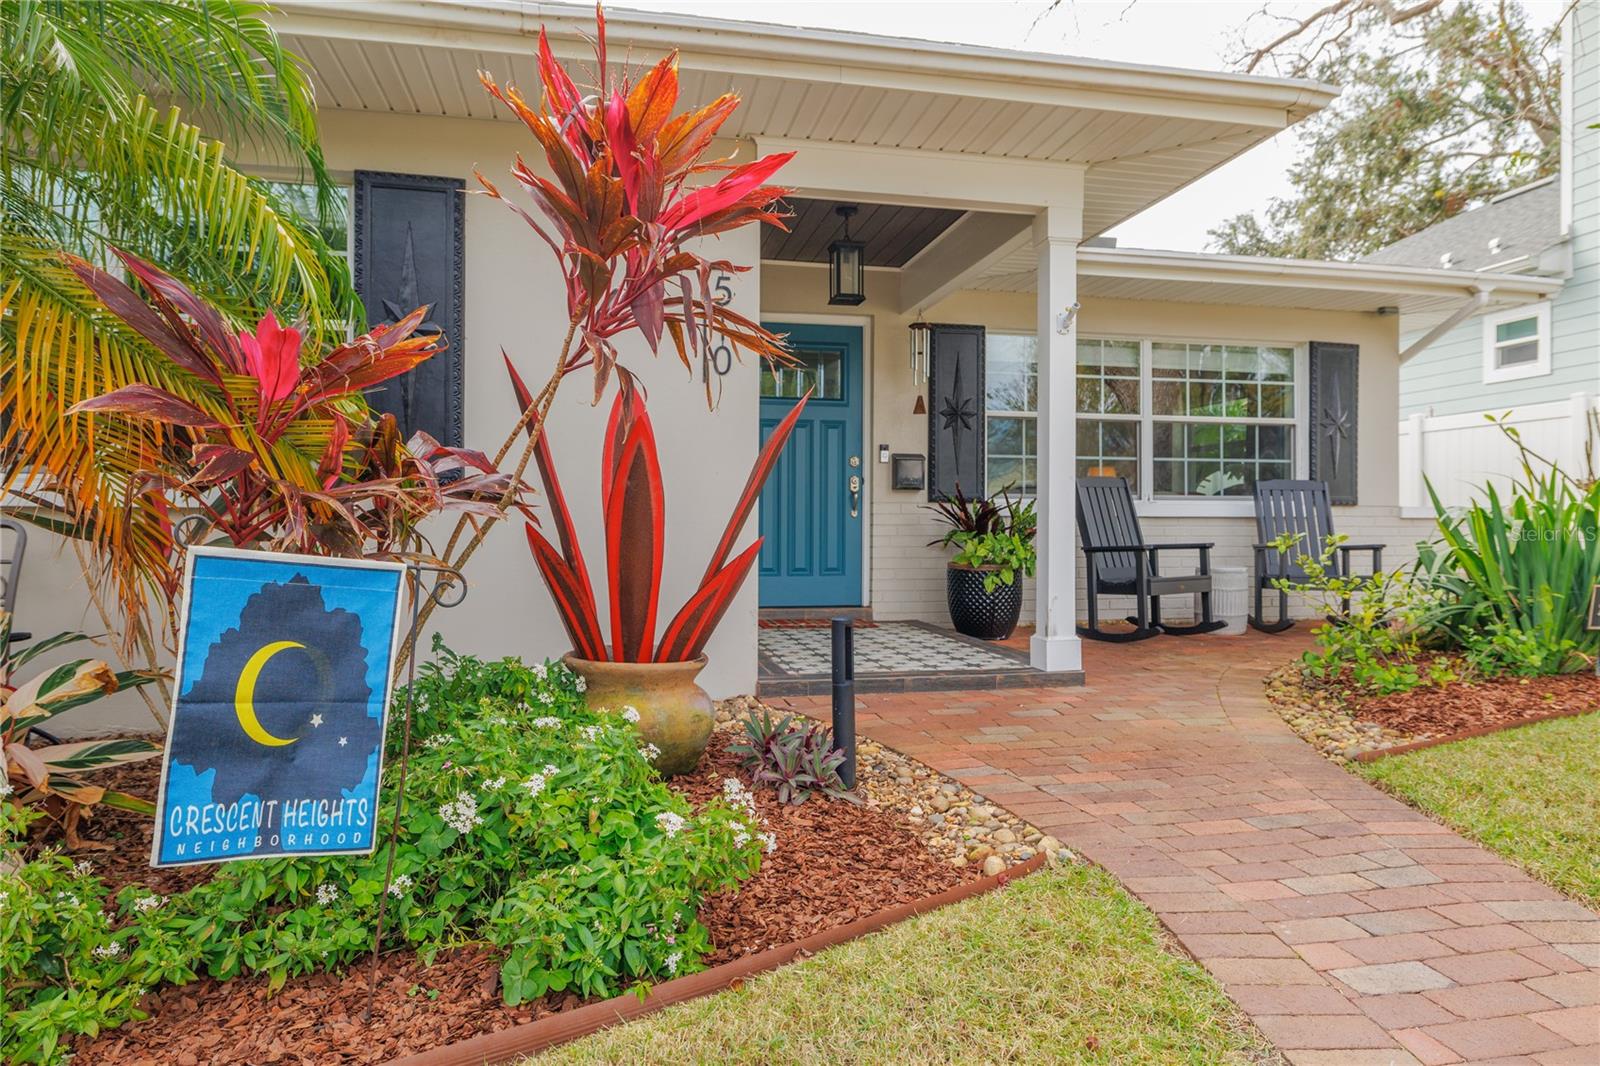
column 1336, row 426
column 958, row 412
column 408, row 299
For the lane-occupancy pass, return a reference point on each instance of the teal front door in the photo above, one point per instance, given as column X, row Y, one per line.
column 811, row 506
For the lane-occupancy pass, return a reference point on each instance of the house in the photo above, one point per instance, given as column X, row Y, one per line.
column 983, row 181
column 1538, row 362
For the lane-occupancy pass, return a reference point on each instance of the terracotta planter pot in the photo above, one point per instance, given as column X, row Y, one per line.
column 675, row 714
column 976, row 613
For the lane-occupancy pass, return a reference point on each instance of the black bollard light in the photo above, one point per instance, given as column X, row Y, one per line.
column 844, row 697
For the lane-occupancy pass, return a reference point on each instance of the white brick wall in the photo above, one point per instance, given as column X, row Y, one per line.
column 908, row 576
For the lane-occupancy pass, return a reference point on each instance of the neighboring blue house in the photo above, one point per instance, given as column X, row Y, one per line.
column 1541, row 361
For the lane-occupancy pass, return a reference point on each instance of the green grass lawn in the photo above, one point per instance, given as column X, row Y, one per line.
column 1062, row 966
column 1527, row 793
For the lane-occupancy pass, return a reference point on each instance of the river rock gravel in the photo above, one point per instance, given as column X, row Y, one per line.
column 957, row 824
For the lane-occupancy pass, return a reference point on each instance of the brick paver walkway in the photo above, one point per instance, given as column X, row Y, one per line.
column 1353, row 929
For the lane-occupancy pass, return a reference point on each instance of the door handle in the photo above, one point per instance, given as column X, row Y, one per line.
column 855, row 495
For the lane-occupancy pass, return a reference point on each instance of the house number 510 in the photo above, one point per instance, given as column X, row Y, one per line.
column 716, row 353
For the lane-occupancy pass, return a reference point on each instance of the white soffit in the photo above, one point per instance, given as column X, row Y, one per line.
column 1143, row 131
column 1192, row 277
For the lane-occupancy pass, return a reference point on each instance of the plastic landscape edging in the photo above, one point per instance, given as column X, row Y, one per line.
column 1468, row 734
column 509, row 1044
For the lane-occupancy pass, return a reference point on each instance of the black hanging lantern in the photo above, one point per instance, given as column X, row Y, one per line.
column 847, row 264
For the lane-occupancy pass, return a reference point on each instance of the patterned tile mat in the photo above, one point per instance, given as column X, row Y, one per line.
column 887, row 648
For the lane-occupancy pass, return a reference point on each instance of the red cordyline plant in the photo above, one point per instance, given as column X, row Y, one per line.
column 271, row 449
column 634, row 508
column 629, row 190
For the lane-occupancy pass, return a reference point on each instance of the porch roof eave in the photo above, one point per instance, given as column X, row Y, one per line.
column 1139, row 132
column 1197, row 277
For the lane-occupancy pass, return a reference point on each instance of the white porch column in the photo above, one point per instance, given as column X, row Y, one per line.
column 1055, row 644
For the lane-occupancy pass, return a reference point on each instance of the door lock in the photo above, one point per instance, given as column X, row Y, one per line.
column 855, row 461
column 855, row 496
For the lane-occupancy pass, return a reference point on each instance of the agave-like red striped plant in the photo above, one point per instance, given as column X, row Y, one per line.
column 621, row 208
column 634, row 507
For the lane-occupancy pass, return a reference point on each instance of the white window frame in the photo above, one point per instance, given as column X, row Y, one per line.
column 1146, row 504
column 1493, row 372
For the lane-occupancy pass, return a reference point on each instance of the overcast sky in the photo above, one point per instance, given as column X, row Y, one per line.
column 1197, row 34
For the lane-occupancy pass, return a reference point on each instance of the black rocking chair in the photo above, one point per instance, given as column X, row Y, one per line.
column 1120, row 563
column 1302, row 508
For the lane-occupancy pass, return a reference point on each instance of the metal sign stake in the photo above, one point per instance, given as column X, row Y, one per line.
column 440, row 592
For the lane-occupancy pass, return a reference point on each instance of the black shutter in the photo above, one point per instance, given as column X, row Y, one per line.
column 955, row 411
column 1334, row 421
column 410, row 251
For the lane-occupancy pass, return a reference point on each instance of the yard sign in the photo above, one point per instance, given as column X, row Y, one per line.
column 275, row 746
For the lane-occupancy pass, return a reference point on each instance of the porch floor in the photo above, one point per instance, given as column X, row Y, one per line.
column 1353, row 929
column 894, row 657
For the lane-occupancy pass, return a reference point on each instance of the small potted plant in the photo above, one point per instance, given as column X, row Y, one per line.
column 993, row 538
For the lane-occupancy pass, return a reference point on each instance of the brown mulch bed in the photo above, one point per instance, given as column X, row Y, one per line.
column 834, row 863
column 1460, row 706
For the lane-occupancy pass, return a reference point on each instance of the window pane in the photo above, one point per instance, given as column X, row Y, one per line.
column 1277, row 364
column 1012, row 445
column 1005, row 436
column 1011, row 372
column 1166, row 398
column 301, row 200
column 1109, row 449
column 1168, row 360
column 1512, row 331
column 1517, row 354
column 1219, row 458
column 1277, row 401
column 1120, row 358
column 1244, row 401
column 822, row 372
column 1108, row 376
column 1205, row 361
column 1120, row 396
column 1014, row 476
column 1205, row 399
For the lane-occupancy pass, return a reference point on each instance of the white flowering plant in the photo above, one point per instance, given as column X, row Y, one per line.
column 558, row 843
column 62, row 961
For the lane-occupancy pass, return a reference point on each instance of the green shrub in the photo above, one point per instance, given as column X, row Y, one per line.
column 530, row 822
column 1373, row 638
column 1516, row 574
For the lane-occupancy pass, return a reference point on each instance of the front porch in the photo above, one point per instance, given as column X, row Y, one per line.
column 1192, row 376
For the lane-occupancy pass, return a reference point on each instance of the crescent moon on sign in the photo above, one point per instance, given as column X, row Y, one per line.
column 244, row 695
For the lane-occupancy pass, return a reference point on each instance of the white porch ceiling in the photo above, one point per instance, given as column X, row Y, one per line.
column 1142, row 131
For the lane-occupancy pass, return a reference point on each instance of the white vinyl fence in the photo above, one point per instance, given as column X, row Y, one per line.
column 1459, row 454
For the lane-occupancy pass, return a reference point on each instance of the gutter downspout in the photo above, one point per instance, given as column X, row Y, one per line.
column 1476, row 302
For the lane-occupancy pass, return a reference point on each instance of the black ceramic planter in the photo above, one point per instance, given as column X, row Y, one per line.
column 976, row 613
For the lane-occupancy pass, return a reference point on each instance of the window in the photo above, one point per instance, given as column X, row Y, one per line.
column 1011, row 376
column 821, row 372
column 301, row 200
column 1109, row 409
column 1222, row 417
column 1516, row 344
column 1179, row 420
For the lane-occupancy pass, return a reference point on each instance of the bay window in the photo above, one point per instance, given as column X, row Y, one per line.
column 1180, row 420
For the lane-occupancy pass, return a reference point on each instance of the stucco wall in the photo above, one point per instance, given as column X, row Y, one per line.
column 514, row 299
column 906, row 577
